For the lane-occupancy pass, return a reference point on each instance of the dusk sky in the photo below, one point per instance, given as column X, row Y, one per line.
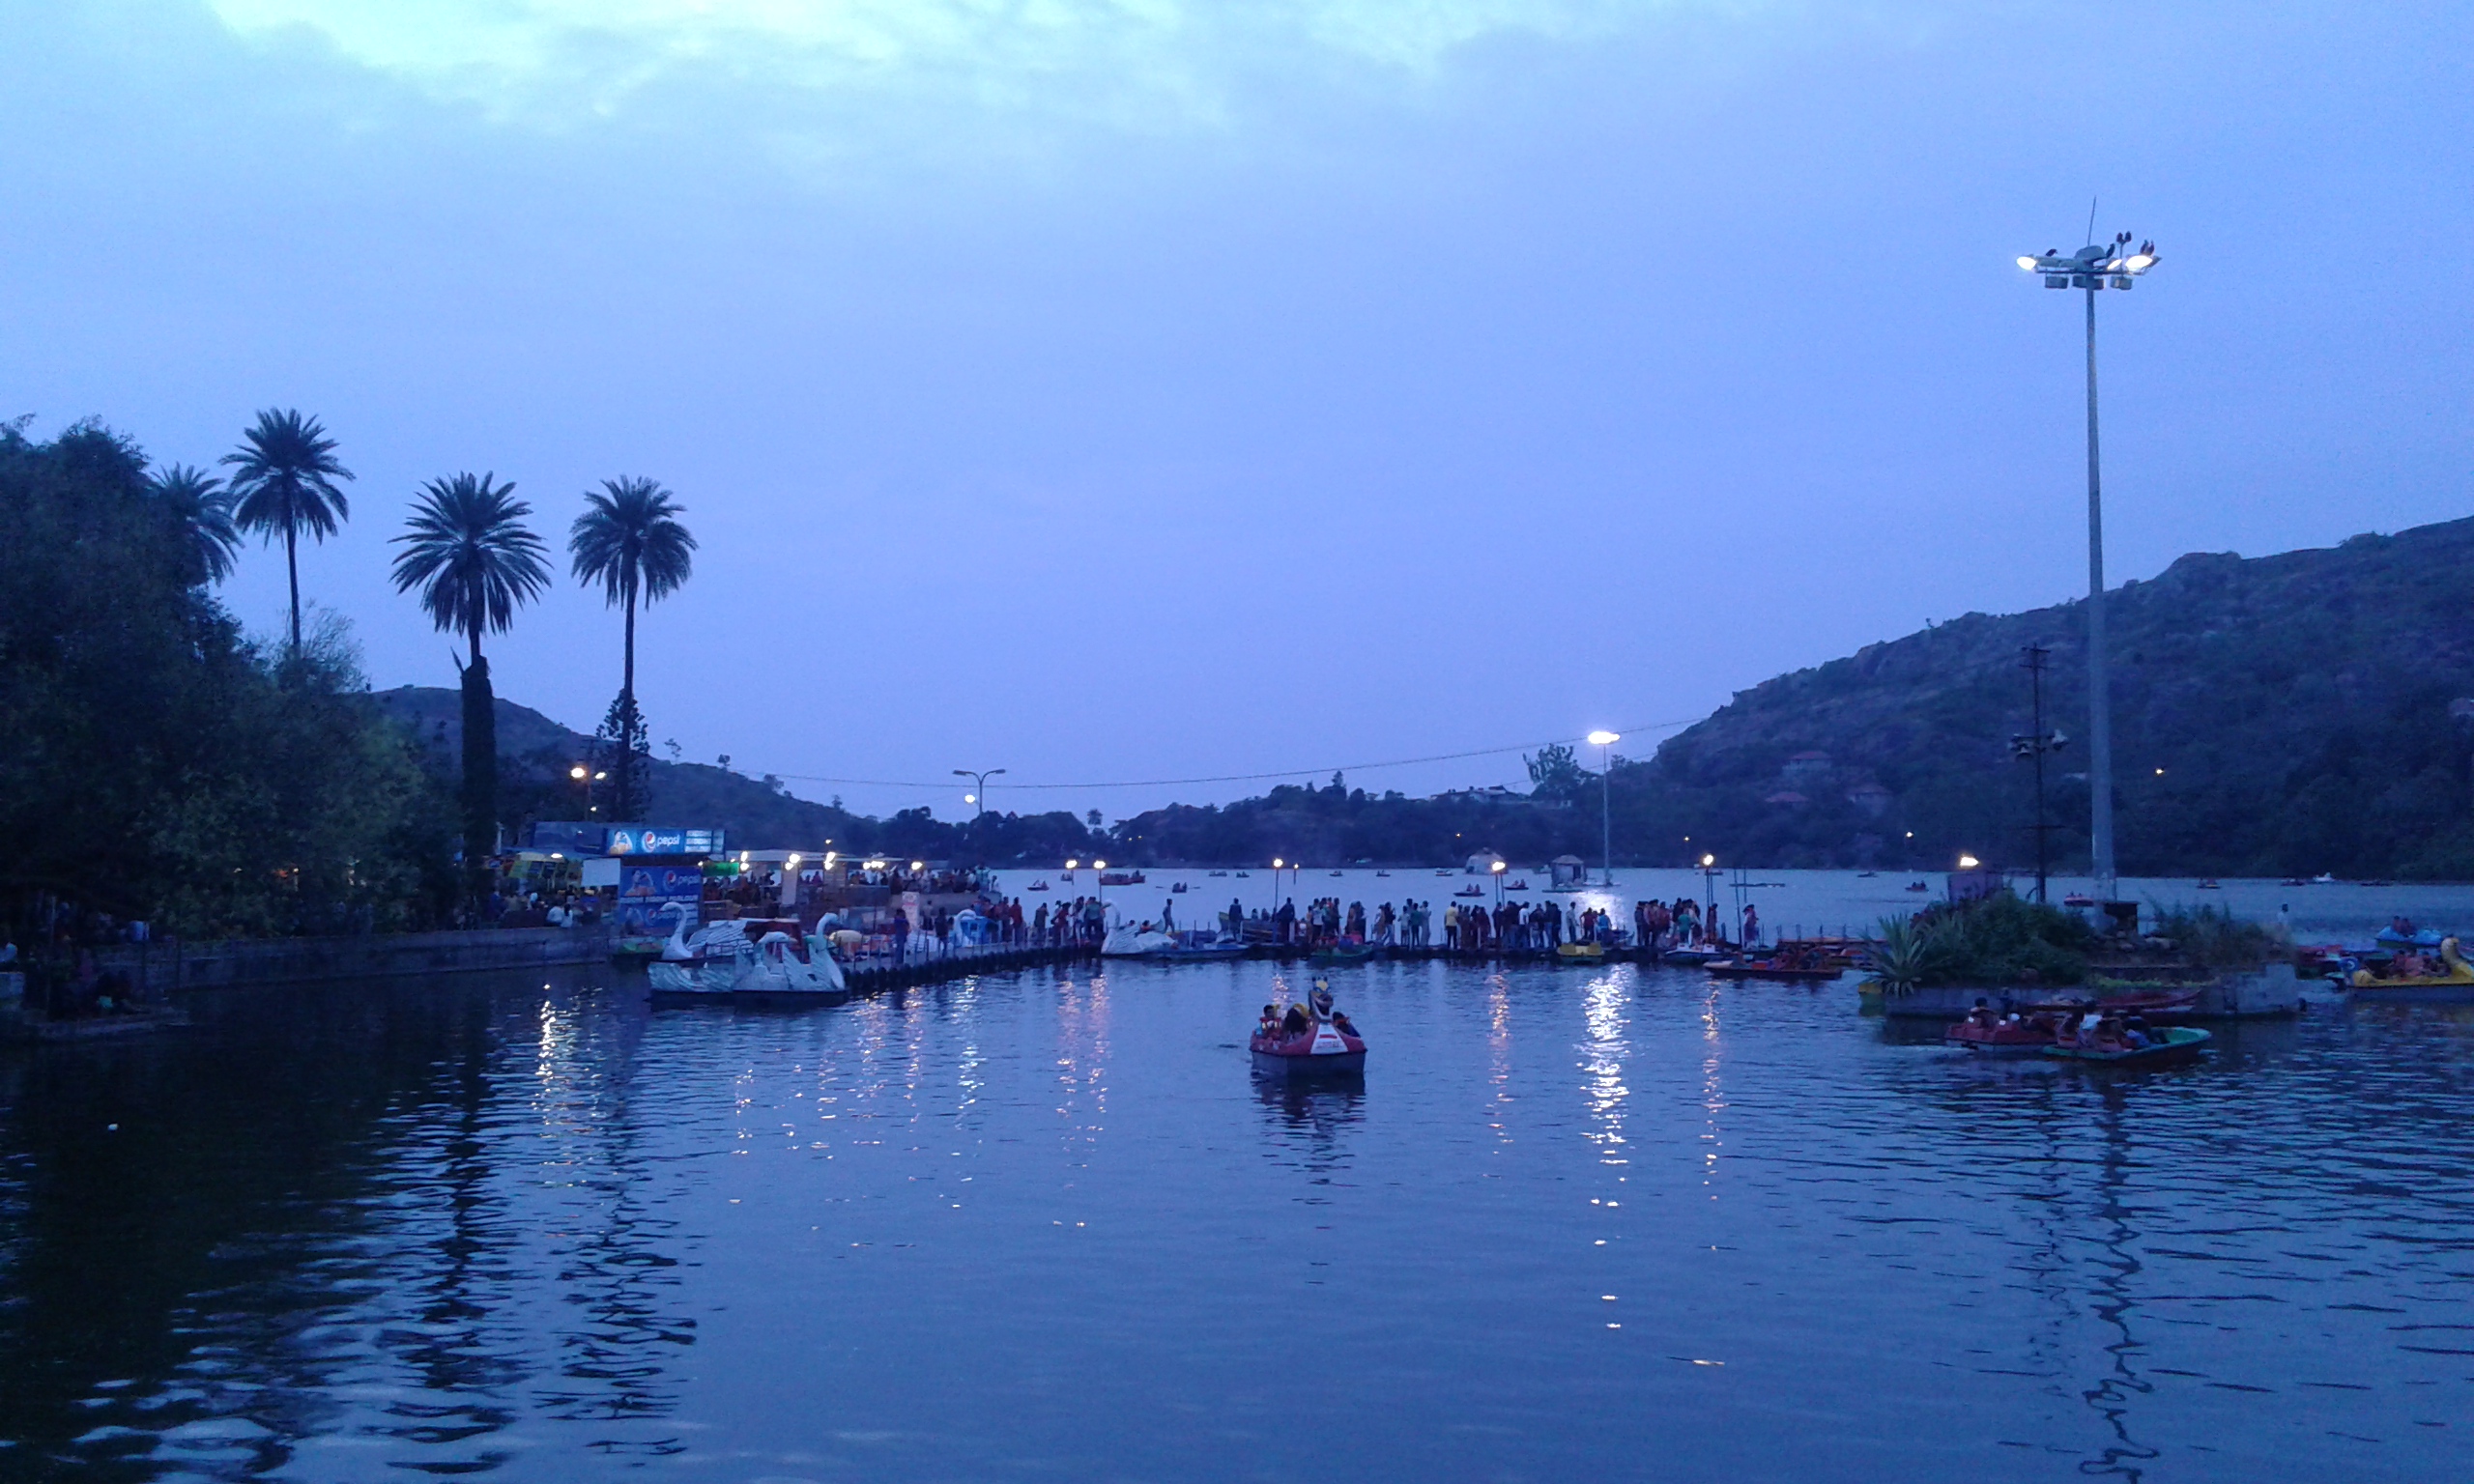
column 1147, row 390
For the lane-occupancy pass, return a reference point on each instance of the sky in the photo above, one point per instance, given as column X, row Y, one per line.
column 1121, row 391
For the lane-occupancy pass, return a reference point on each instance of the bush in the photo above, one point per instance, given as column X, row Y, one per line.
column 2216, row 938
column 2002, row 940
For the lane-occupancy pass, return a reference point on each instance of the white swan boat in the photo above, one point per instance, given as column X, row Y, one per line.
column 720, row 962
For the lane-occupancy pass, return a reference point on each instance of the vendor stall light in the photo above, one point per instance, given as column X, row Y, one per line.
column 794, row 860
column 1968, row 863
column 919, row 865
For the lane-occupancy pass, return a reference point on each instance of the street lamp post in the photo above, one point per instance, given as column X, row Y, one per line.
column 979, row 796
column 1098, row 870
column 1604, row 739
column 2093, row 268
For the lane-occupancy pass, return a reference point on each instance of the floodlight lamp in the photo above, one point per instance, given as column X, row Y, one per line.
column 2140, row 262
column 1603, row 738
column 1709, row 861
column 1497, row 866
column 577, row 772
column 2030, row 264
column 1099, row 865
column 1968, row 863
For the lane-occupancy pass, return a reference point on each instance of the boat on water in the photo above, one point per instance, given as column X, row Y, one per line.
column 1040, row 885
column 2209, row 885
column 2076, row 900
column 2166, row 1043
column 2411, row 976
column 1580, row 953
column 1314, row 1041
column 2007, row 1035
column 1382, row 874
column 1120, row 878
column 1917, row 886
column 1136, row 941
column 2404, row 934
column 1469, row 891
column 1772, row 968
column 1337, row 872
column 1246, row 873
column 1223, row 872
column 1347, row 953
column 722, row 962
column 1176, row 888
column 1447, row 872
column 1518, row 886
column 1693, row 957
column 1867, row 875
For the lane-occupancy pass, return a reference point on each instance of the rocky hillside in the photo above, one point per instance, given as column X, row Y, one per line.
column 2295, row 713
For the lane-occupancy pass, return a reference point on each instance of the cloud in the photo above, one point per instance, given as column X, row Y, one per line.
column 1136, row 63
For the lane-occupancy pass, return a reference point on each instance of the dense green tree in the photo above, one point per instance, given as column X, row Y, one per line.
column 160, row 765
column 284, row 477
column 629, row 541
column 467, row 548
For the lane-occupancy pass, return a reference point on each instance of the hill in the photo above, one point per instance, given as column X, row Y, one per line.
column 2295, row 713
column 756, row 813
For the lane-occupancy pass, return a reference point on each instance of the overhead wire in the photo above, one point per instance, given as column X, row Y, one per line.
column 1235, row 778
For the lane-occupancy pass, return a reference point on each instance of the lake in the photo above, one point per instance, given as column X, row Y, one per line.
column 1578, row 1223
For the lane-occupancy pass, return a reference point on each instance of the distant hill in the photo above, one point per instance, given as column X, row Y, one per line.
column 536, row 752
column 2287, row 714
column 756, row 813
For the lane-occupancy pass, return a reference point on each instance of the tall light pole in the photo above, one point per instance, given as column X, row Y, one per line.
column 1606, row 739
column 979, row 796
column 2095, row 267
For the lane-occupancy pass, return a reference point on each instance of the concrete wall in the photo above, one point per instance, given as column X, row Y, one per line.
column 167, row 965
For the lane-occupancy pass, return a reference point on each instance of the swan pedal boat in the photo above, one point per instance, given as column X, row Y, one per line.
column 720, row 962
column 1321, row 1051
column 2173, row 1043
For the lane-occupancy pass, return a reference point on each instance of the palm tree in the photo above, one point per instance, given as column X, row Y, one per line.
column 286, row 484
column 467, row 550
column 203, row 507
column 629, row 540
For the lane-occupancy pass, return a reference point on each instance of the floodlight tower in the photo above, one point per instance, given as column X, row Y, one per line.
column 2093, row 268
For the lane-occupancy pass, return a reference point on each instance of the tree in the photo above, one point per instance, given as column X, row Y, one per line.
column 285, row 485
column 203, row 507
column 629, row 540
column 1556, row 773
column 467, row 548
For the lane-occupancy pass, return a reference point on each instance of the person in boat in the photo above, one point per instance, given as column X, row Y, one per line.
column 1268, row 1026
column 1340, row 1023
column 2135, row 1033
column 1982, row 1014
column 1295, row 1023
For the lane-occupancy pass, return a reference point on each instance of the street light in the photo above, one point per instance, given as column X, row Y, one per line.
column 2115, row 265
column 980, row 788
column 1097, row 867
column 1604, row 739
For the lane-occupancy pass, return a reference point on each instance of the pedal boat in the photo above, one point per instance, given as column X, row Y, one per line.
column 2173, row 1043
column 1320, row 1051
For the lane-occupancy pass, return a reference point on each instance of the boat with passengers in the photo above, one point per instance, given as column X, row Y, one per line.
column 1312, row 1039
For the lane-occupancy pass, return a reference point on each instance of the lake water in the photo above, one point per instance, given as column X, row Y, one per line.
column 1577, row 1224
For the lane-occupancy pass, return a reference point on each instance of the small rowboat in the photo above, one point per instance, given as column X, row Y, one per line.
column 1348, row 952
column 2172, row 1044
column 1763, row 968
column 1319, row 1052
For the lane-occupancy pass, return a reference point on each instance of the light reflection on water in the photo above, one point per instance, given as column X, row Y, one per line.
column 1046, row 1225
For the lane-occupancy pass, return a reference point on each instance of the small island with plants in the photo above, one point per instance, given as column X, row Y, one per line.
column 2021, row 955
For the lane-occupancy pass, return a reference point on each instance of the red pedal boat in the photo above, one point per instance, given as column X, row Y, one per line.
column 2026, row 1036
column 1318, row 1051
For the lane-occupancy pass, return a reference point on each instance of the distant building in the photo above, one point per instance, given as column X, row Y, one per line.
column 1804, row 765
column 1871, row 798
column 1498, row 796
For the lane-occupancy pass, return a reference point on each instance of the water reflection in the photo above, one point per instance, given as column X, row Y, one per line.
column 1603, row 1013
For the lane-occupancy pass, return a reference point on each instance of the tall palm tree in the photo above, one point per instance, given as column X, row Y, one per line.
column 629, row 540
column 467, row 548
column 286, row 484
column 203, row 507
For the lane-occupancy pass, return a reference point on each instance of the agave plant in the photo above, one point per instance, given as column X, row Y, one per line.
column 1897, row 954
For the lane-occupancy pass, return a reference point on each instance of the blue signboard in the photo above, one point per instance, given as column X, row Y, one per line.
column 646, row 892
column 661, row 839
